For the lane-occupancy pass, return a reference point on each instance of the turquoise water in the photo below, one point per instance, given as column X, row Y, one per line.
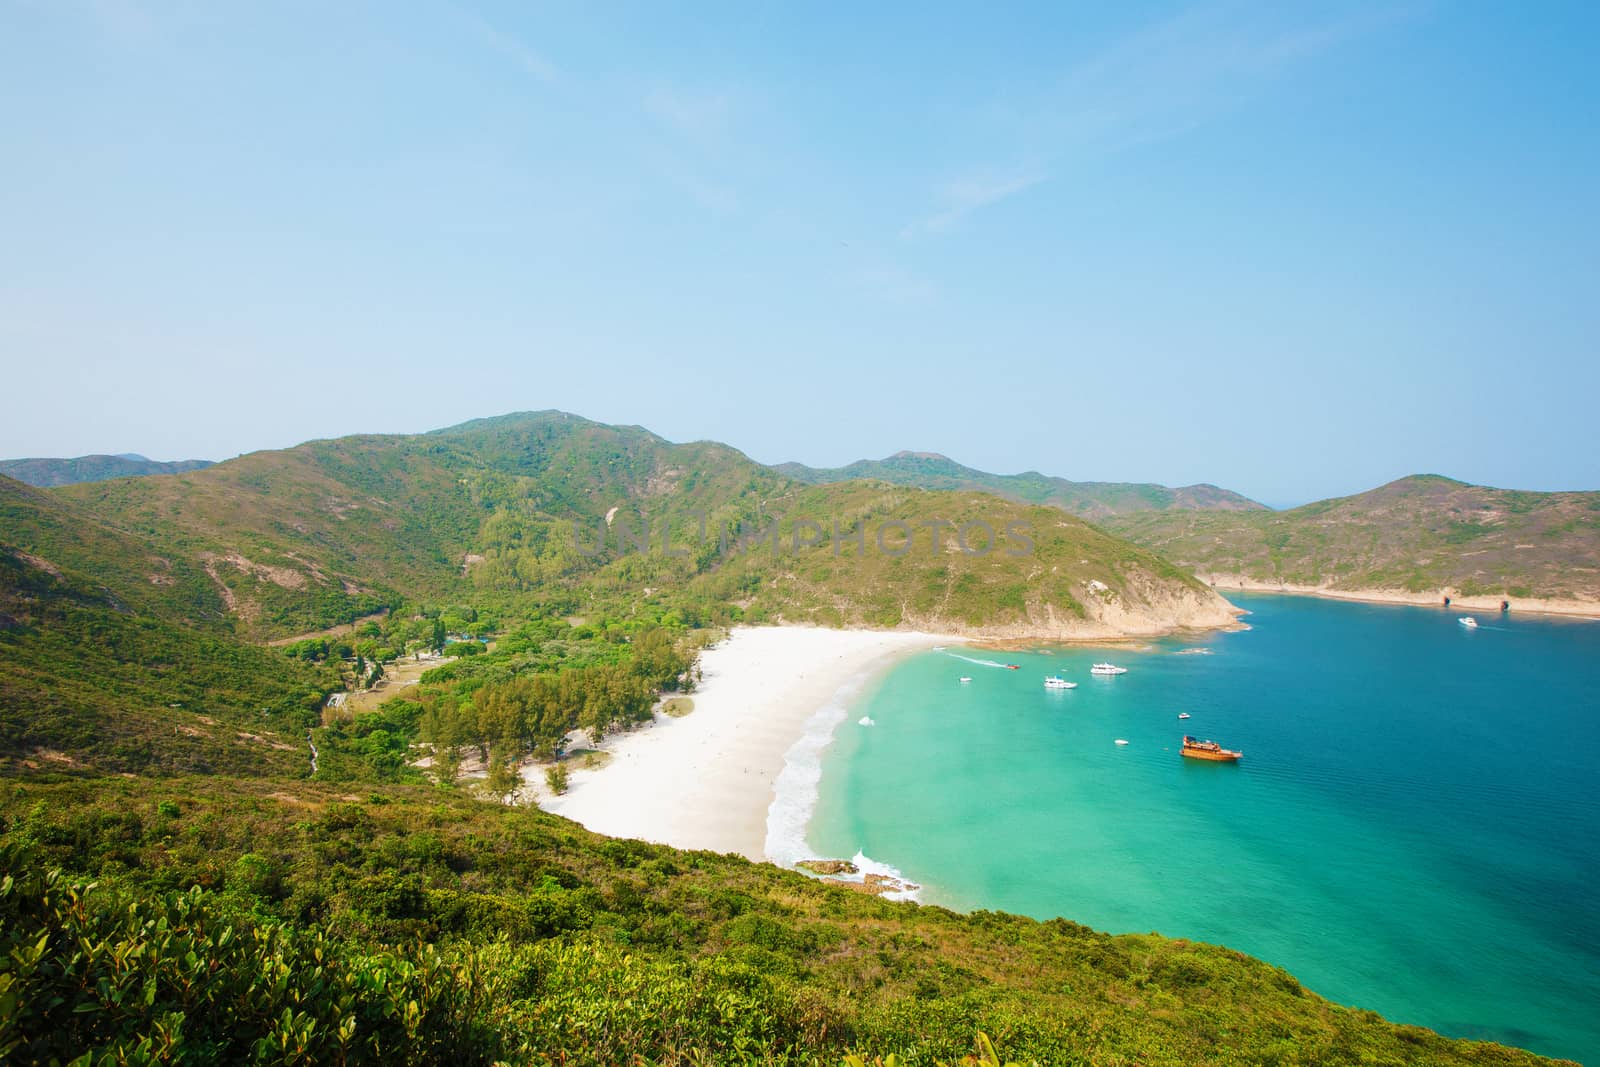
column 1413, row 828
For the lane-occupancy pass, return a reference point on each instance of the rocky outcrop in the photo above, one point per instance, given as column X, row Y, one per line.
column 1145, row 607
column 828, row 866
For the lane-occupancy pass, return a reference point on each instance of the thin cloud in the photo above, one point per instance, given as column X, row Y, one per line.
column 701, row 116
column 513, row 48
column 697, row 152
column 1158, row 82
column 965, row 195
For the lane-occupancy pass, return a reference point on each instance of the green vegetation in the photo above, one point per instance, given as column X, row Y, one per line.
column 84, row 682
column 546, row 514
column 253, row 921
column 280, row 876
column 1421, row 534
column 508, row 708
column 1089, row 500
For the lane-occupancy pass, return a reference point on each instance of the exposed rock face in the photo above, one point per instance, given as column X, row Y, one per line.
column 828, row 866
column 838, row 872
column 1147, row 607
column 875, row 885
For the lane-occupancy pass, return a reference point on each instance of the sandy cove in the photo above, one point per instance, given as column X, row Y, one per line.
column 706, row 781
column 1587, row 609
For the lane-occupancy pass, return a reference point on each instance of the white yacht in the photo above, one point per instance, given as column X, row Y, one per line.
column 1053, row 682
column 1469, row 622
column 965, row 678
column 1107, row 668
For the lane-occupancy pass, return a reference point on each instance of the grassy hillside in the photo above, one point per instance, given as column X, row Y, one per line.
column 1422, row 534
column 409, row 924
column 1022, row 571
column 500, row 511
column 115, row 659
column 51, row 472
column 249, row 909
column 1090, row 500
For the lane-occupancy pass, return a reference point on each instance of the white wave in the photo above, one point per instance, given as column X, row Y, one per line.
column 979, row 662
column 866, row 720
column 795, row 790
column 866, row 865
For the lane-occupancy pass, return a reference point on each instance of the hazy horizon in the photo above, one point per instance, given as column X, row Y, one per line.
column 1295, row 253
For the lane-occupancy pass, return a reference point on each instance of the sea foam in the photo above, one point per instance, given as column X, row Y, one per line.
column 796, row 789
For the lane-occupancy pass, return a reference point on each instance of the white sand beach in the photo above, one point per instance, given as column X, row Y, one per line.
column 707, row 780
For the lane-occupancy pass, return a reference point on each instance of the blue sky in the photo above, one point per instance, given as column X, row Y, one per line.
column 1296, row 250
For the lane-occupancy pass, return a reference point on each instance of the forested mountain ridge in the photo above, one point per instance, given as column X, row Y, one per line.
column 1426, row 535
column 1090, row 500
column 45, row 472
column 503, row 511
column 126, row 597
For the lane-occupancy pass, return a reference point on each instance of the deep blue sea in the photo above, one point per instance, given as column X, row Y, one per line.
column 1415, row 827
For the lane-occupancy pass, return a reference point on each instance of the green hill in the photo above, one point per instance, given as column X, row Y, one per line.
column 116, row 659
column 1424, row 534
column 249, row 908
column 137, row 594
column 499, row 510
column 1090, row 500
column 52, row 472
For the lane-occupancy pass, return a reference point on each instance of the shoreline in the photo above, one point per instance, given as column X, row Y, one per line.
column 711, row 779
column 1571, row 609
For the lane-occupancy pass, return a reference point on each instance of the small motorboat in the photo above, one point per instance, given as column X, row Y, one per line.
column 1469, row 622
column 965, row 678
column 1183, row 714
column 1013, row 666
column 1107, row 668
column 1120, row 741
column 1053, row 682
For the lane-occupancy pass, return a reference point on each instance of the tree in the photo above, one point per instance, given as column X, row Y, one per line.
column 503, row 777
column 555, row 776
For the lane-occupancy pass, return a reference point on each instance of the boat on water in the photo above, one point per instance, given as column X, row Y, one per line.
column 1120, row 741
column 1107, row 668
column 1013, row 666
column 1053, row 682
column 965, row 678
column 1469, row 622
column 1209, row 750
column 1183, row 714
